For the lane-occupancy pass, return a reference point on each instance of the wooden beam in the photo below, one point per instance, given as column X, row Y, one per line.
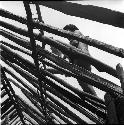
column 79, row 101
column 98, row 44
column 91, row 12
column 12, row 95
column 71, row 68
column 29, row 78
column 66, row 49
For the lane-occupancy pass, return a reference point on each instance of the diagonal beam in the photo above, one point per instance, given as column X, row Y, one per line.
column 66, row 49
column 98, row 44
column 91, row 12
column 34, row 51
column 12, row 95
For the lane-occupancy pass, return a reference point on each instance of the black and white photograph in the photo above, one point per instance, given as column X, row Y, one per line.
column 62, row 62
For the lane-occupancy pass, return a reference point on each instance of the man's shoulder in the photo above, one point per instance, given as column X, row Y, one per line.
column 77, row 32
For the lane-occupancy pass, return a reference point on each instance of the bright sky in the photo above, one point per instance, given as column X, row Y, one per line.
column 105, row 33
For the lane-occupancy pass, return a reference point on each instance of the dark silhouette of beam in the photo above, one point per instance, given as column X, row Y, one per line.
column 95, row 13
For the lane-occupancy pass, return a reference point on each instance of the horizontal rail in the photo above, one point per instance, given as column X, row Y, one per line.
column 81, row 94
column 4, row 103
column 61, row 82
column 12, row 94
column 91, row 12
column 32, row 93
column 16, row 48
column 70, row 103
column 6, row 107
column 69, row 50
column 30, row 112
column 110, row 87
column 33, row 99
column 100, row 45
column 33, row 80
column 7, row 112
column 91, row 78
column 65, row 93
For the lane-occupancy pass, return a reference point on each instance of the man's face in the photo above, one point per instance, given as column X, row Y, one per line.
column 72, row 41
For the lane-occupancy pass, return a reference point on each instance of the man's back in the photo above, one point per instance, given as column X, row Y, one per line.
column 84, row 47
column 82, row 62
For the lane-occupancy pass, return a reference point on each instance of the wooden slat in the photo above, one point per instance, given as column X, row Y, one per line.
column 12, row 115
column 91, row 12
column 5, row 102
column 58, row 113
column 7, row 112
column 29, row 96
column 14, row 119
column 11, row 94
column 16, row 48
column 40, row 119
column 6, row 107
column 37, row 99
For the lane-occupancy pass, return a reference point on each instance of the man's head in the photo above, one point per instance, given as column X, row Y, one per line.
column 72, row 28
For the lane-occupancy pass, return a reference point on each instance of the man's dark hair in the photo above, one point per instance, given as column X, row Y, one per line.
column 70, row 27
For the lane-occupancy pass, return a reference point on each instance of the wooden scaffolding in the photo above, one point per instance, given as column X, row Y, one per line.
column 47, row 109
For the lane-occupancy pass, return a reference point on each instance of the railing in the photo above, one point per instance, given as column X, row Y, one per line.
column 45, row 98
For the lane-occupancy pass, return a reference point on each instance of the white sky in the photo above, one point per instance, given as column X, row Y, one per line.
column 105, row 33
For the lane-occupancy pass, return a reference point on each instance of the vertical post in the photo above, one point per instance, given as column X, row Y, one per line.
column 120, row 102
column 115, row 106
column 111, row 109
column 120, row 72
column 34, row 52
column 39, row 16
column 41, row 31
column 12, row 95
column 43, row 44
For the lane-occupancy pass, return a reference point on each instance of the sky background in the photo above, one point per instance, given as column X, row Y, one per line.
column 102, row 32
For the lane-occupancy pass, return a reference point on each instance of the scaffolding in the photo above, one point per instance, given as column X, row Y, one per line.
column 15, row 110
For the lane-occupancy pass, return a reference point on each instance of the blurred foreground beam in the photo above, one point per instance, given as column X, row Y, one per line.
column 91, row 12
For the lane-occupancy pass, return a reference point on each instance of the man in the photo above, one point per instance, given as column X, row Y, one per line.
column 80, row 61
